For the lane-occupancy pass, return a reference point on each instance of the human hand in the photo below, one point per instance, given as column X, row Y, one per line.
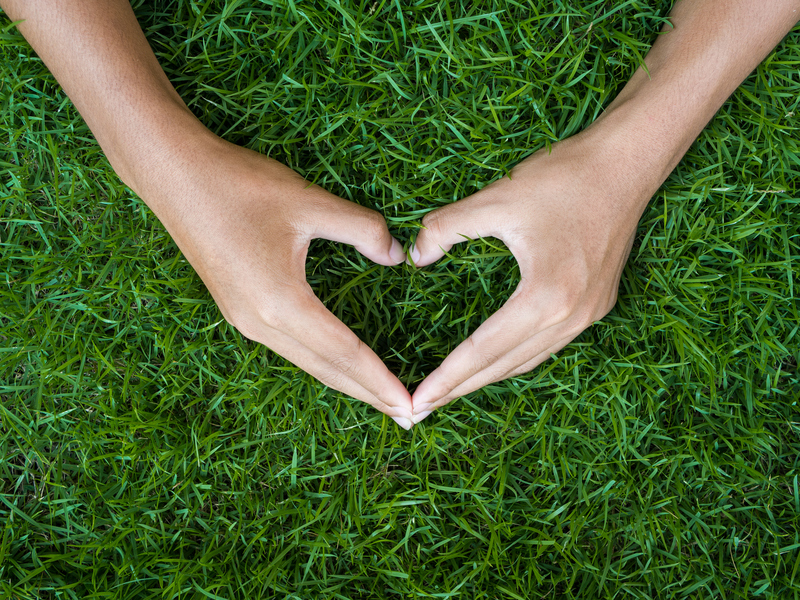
column 244, row 222
column 569, row 218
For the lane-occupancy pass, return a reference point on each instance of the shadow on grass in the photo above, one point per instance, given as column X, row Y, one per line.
column 438, row 306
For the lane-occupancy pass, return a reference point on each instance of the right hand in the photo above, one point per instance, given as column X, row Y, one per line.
column 244, row 222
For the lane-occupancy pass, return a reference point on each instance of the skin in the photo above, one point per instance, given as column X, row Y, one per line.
column 569, row 216
column 244, row 221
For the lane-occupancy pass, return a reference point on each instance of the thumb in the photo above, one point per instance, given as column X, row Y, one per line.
column 343, row 221
column 467, row 219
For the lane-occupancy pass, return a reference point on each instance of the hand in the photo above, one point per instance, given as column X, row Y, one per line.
column 569, row 218
column 245, row 222
column 242, row 220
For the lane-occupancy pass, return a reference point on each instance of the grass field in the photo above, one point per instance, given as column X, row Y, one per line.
column 147, row 450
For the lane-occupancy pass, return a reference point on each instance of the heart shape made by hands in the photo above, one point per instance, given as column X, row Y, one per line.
column 548, row 213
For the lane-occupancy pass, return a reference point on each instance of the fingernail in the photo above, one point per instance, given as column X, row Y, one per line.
column 421, row 416
column 403, row 422
column 396, row 252
column 414, row 255
column 420, row 406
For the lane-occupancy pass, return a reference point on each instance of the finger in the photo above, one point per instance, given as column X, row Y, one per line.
column 464, row 374
column 536, row 361
column 316, row 328
column 321, row 369
column 468, row 219
column 517, row 362
column 342, row 221
column 517, row 321
column 488, row 376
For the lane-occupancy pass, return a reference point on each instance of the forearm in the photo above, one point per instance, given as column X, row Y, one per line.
column 693, row 68
column 98, row 53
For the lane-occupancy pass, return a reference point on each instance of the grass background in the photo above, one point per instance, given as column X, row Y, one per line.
column 149, row 451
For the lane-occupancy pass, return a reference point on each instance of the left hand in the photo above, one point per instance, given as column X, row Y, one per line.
column 569, row 218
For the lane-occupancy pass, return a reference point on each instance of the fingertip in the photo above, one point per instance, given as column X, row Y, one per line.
column 421, row 416
column 419, row 256
column 396, row 252
column 413, row 256
column 406, row 424
column 427, row 393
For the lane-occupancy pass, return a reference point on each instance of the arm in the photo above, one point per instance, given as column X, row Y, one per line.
column 570, row 216
column 242, row 220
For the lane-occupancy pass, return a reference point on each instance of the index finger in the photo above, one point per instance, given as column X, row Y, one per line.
column 509, row 338
column 345, row 360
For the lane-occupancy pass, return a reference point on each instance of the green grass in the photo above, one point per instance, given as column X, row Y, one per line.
column 147, row 450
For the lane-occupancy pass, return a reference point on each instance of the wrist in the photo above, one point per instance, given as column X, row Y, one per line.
column 146, row 148
column 625, row 157
column 692, row 68
column 637, row 144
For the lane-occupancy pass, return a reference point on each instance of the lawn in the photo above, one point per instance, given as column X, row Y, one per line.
column 147, row 450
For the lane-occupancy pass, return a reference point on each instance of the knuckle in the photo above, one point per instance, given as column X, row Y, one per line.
column 584, row 316
column 347, row 363
column 274, row 308
column 343, row 364
column 375, row 228
column 481, row 358
column 335, row 380
column 268, row 316
column 562, row 313
column 255, row 318
column 563, row 310
column 486, row 360
column 569, row 304
column 434, row 221
column 243, row 326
